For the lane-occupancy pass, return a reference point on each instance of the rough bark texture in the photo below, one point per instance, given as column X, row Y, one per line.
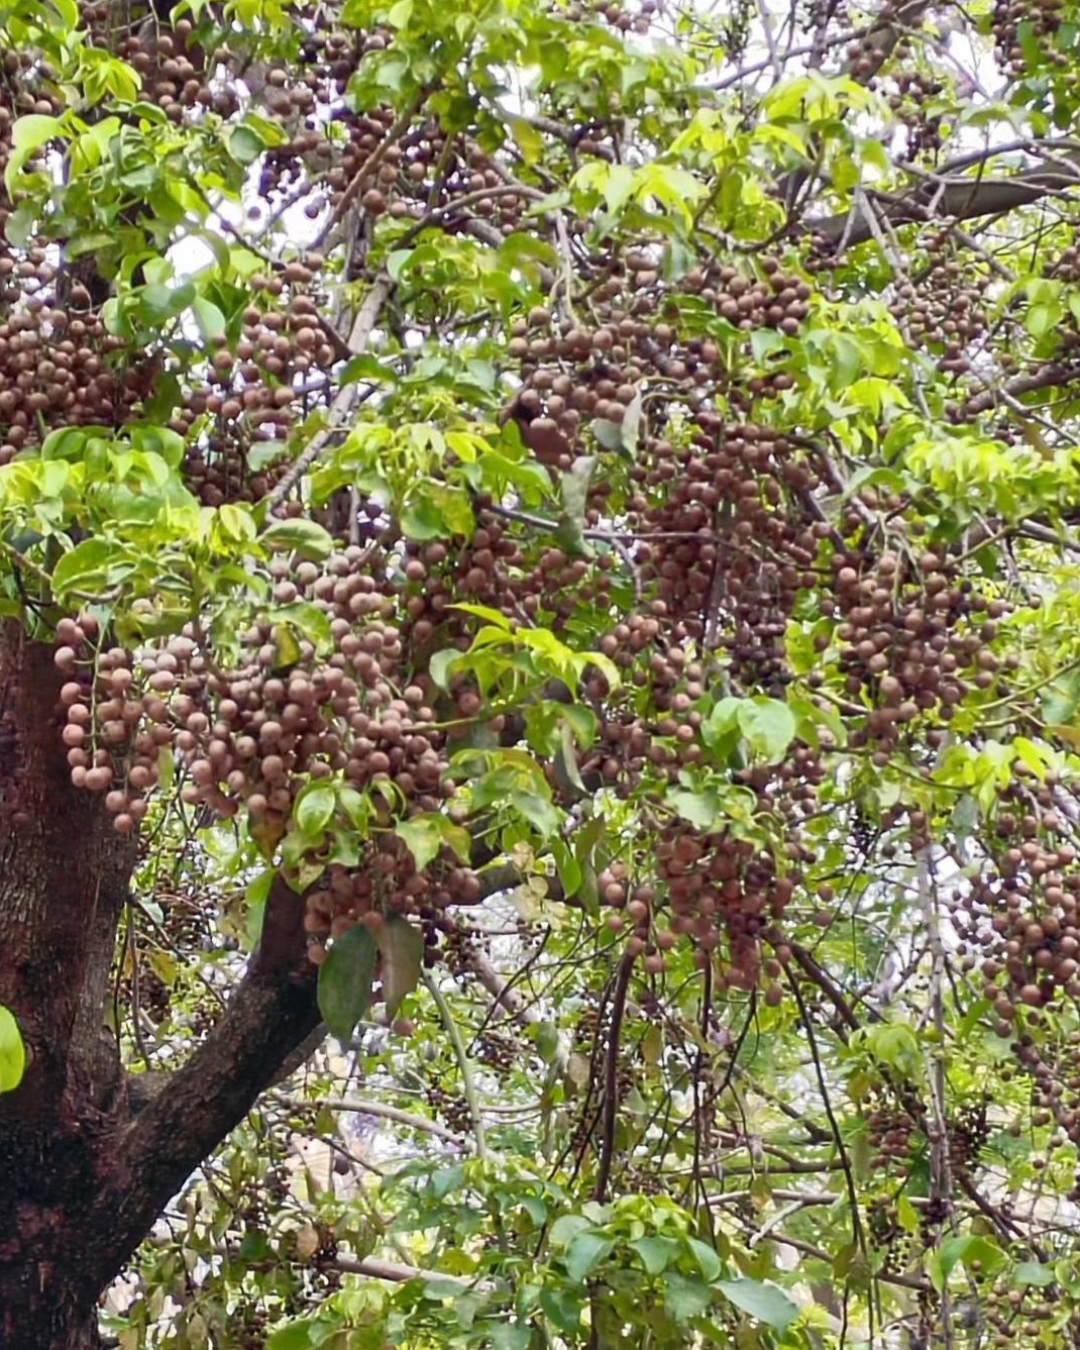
column 85, row 1165
column 960, row 198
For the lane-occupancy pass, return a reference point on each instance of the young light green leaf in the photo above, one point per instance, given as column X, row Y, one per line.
column 12, row 1051
column 314, row 807
column 245, row 145
column 89, row 566
column 963, row 1250
column 427, row 833
column 210, row 319
column 769, row 727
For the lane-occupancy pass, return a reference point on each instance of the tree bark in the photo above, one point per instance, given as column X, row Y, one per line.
column 86, row 1165
column 63, row 882
column 960, row 198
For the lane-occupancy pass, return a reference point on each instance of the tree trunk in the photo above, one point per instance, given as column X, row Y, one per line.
column 86, row 1165
column 63, row 882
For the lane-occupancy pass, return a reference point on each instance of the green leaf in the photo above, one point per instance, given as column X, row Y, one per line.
column 769, row 727
column 608, row 434
column 345, row 981
column 402, row 949
column 28, row 135
column 157, row 302
column 507, row 1335
column 685, row 1296
column 765, row 1302
column 314, row 808
column 437, row 511
column 296, row 1336
column 585, row 1252
column 1061, row 697
column 92, row 242
column 426, row 834
column 575, row 500
column 20, row 226
column 65, row 443
column 963, row 1251
column 1031, row 1272
column 87, row 566
column 441, row 665
column 307, row 619
column 485, row 612
column 657, row 1253
column 245, row 145
column 563, row 1309
column 706, row 1257
column 12, row 1051
column 566, row 1228
column 700, row 809
column 397, row 261
column 286, row 647
column 529, row 140
column 301, row 536
column 210, row 319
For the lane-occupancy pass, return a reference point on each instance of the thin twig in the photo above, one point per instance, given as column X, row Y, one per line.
column 468, row 1084
column 364, row 1107
column 347, row 397
column 371, row 164
column 826, row 1102
column 611, row 1078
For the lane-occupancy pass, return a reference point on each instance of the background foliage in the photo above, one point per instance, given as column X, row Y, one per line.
column 588, row 493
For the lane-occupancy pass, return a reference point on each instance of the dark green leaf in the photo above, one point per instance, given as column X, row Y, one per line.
column 586, row 1251
column 402, row 949
column 684, row 1296
column 563, row 1309
column 296, row 1336
column 345, row 981
column 305, row 537
column 765, row 1302
column 657, row 1253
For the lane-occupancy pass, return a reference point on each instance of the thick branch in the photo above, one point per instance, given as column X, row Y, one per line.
column 63, row 882
column 1046, row 377
column 271, row 1012
column 957, row 198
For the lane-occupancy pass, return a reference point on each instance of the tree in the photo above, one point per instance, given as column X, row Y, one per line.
column 623, row 458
